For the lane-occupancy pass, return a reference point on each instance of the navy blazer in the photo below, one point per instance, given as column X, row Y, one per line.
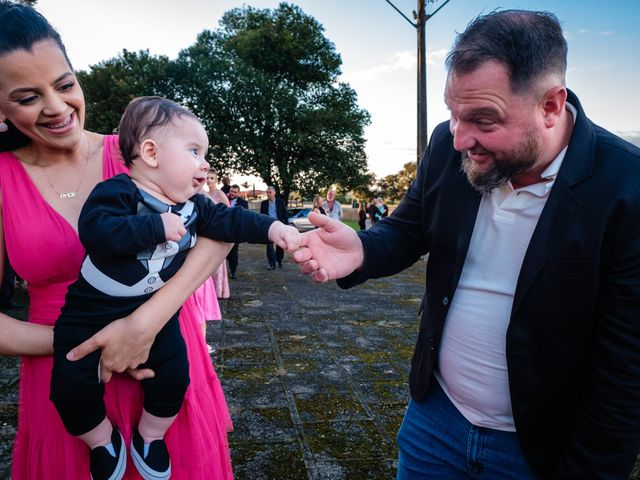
column 241, row 202
column 573, row 341
column 281, row 210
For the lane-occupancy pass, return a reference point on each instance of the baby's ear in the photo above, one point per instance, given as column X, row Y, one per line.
column 149, row 152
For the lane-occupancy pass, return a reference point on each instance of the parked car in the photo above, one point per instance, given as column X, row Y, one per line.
column 298, row 219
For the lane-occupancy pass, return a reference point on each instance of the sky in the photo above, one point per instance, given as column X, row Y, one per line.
column 378, row 50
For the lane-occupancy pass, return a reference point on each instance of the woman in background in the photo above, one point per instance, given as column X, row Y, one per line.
column 317, row 205
column 220, row 277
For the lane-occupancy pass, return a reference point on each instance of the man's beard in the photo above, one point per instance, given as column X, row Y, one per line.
column 518, row 162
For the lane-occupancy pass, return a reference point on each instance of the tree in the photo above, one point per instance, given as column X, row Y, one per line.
column 112, row 84
column 266, row 86
column 395, row 186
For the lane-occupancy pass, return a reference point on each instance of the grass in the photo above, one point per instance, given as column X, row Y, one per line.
column 352, row 223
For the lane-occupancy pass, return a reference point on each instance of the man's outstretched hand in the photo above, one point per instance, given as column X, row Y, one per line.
column 331, row 251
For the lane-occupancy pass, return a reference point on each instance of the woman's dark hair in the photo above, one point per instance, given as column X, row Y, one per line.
column 529, row 44
column 20, row 28
column 143, row 115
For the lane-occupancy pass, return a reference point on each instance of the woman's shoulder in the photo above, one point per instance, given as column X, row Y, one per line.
column 113, row 161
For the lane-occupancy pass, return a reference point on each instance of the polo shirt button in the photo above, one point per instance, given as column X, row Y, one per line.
column 151, row 280
column 445, row 301
column 148, row 290
column 432, row 344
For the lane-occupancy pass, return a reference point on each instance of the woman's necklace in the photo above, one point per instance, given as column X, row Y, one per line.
column 65, row 195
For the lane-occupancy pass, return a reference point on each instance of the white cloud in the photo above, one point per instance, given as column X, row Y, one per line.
column 632, row 137
column 584, row 31
column 400, row 61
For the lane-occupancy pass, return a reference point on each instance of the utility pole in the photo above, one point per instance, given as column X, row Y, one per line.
column 421, row 22
column 421, row 17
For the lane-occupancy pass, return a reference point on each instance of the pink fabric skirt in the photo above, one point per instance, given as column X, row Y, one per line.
column 205, row 302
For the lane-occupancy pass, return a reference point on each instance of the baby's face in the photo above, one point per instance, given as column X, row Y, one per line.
column 182, row 168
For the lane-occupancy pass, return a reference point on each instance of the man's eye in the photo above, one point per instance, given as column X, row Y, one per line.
column 484, row 122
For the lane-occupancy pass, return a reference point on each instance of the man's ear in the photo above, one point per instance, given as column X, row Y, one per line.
column 553, row 104
column 149, row 152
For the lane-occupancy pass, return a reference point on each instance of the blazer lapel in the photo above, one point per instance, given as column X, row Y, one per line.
column 562, row 205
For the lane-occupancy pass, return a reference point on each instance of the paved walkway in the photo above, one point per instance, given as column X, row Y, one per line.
column 315, row 376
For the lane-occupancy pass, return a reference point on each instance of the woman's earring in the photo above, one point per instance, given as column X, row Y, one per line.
column 3, row 127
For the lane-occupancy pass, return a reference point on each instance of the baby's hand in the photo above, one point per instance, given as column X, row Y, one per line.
column 173, row 226
column 285, row 236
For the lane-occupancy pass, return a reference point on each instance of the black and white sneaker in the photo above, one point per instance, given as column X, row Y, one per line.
column 109, row 462
column 152, row 461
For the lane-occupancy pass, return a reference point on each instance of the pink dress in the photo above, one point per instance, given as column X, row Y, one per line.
column 221, row 279
column 205, row 302
column 45, row 250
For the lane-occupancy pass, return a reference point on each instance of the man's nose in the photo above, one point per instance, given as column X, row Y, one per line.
column 463, row 138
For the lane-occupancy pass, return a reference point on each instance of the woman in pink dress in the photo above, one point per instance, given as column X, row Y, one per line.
column 220, row 277
column 48, row 166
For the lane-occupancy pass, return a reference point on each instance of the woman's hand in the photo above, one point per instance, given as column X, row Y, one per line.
column 125, row 344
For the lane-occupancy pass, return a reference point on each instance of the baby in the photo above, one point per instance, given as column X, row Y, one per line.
column 137, row 230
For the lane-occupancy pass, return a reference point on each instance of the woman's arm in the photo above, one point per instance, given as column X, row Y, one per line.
column 125, row 343
column 24, row 338
column 17, row 337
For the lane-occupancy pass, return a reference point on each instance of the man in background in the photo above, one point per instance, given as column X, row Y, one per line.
column 274, row 207
column 332, row 207
column 225, row 186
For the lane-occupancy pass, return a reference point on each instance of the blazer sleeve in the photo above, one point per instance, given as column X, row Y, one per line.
column 283, row 214
column 233, row 225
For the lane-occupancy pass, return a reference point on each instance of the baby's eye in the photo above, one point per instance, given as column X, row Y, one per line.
column 194, row 151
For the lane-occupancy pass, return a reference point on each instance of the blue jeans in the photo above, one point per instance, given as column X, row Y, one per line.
column 436, row 442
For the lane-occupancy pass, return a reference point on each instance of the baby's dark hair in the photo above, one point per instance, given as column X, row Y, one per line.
column 142, row 116
column 21, row 27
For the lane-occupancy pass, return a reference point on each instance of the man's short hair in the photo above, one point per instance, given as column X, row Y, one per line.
column 270, row 188
column 529, row 44
column 237, row 187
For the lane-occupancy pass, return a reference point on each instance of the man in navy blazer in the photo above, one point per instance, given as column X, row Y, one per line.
column 274, row 207
column 527, row 362
column 235, row 201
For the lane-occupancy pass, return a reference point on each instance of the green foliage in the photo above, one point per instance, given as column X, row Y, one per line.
column 395, row 186
column 267, row 92
column 265, row 87
column 111, row 85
